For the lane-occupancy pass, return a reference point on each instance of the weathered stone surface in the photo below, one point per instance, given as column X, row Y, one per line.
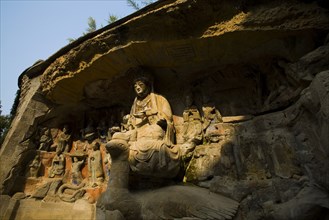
column 260, row 66
column 33, row 209
column 115, row 215
column 225, row 36
column 42, row 191
column 4, row 202
column 54, row 187
column 305, row 205
column 31, row 107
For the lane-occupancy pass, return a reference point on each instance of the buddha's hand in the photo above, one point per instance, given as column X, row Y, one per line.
column 145, row 113
column 140, row 114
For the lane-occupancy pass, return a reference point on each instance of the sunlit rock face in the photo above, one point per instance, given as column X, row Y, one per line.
column 247, row 84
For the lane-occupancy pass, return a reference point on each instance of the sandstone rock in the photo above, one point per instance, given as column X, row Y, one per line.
column 42, row 191
column 261, row 65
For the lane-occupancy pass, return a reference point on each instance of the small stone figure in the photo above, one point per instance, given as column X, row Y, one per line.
column 88, row 133
column 95, row 166
column 45, row 140
column 102, row 131
column 192, row 127
column 35, row 166
column 63, row 140
column 211, row 117
column 80, row 146
column 76, row 171
column 58, row 164
column 126, row 125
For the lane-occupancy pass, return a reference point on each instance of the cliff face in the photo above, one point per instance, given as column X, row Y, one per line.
column 263, row 65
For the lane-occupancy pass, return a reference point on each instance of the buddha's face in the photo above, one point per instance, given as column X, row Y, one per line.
column 140, row 88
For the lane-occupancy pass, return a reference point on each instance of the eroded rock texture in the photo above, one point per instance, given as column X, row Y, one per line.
column 248, row 87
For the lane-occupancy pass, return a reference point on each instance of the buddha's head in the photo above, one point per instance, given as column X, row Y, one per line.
column 143, row 84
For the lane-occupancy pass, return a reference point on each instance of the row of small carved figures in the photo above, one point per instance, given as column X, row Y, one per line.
column 57, row 168
column 46, row 142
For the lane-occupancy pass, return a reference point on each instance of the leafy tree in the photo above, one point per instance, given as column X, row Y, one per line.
column 91, row 25
column 112, row 18
column 133, row 4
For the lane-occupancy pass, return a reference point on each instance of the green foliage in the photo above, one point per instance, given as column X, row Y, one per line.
column 91, row 25
column 112, row 18
column 70, row 39
column 147, row 2
column 143, row 3
column 133, row 4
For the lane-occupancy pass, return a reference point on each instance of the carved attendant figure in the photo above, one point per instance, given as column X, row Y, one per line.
column 95, row 166
column 192, row 127
column 211, row 117
column 58, row 164
column 75, row 171
column 45, row 140
column 63, row 140
column 35, row 166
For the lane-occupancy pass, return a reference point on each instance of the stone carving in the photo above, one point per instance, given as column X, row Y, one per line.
column 275, row 162
column 151, row 140
column 35, row 166
column 63, row 140
column 165, row 203
column 41, row 191
column 102, row 131
column 80, row 147
column 108, row 163
column 88, row 133
column 151, row 109
column 58, row 164
column 125, row 125
column 76, row 171
column 78, row 192
column 45, row 140
column 192, row 126
column 95, row 166
column 211, row 117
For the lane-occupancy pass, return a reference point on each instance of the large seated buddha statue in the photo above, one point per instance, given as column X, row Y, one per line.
column 151, row 136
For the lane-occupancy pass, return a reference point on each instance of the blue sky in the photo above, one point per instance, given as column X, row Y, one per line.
column 33, row 30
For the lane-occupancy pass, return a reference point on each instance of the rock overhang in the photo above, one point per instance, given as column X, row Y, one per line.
column 171, row 37
column 264, row 65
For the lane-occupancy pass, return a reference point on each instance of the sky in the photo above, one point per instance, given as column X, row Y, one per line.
column 33, row 30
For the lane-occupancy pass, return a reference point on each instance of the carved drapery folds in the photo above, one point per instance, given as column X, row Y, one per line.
column 230, row 139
